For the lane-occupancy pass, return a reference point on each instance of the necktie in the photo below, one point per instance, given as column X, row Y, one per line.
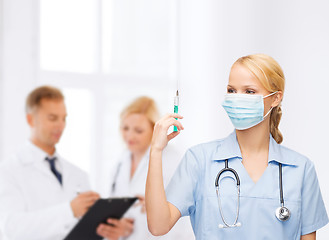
column 53, row 169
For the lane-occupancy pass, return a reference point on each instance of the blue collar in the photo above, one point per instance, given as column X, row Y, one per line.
column 229, row 148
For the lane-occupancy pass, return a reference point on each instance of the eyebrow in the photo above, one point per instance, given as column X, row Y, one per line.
column 245, row 86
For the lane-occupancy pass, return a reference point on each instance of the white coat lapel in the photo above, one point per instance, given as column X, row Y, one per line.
column 32, row 155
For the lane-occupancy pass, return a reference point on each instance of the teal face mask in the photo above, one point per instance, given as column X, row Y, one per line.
column 245, row 110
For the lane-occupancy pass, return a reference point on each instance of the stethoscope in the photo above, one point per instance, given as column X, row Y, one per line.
column 282, row 213
column 116, row 175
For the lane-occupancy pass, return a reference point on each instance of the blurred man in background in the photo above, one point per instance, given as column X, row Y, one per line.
column 41, row 194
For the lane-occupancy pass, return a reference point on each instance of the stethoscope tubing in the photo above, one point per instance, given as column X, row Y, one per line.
column 280, row 183
column 282, row 213
column 227, row 169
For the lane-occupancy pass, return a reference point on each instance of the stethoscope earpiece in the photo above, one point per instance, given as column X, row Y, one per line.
column 221, row 226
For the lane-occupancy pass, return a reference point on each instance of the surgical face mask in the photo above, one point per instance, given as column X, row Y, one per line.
column 245, row 110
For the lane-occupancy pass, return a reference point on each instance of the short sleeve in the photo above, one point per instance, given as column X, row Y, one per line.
column 314, row 215
column 181, row 188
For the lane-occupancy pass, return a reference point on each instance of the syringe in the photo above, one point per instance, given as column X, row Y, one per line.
column 176, row 103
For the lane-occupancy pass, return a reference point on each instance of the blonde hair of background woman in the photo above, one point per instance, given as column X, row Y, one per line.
column 271, row 76
column 142, row 105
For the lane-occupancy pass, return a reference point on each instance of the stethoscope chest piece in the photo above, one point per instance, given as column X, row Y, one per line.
column 282, row 214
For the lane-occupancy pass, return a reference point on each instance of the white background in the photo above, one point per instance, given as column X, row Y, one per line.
column 104, row 53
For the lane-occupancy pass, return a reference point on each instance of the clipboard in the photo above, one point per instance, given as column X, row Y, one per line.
column 103, row 209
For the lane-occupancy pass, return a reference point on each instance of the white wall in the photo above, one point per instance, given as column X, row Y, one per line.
column 1, row 64
column 19, row 70
column 201, row 66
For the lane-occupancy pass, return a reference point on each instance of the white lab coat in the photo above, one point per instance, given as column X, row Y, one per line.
column 123, row 187
column 33, row 204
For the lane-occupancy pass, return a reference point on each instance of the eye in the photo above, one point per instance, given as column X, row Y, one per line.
column 231, row 90
column 250, row 91
column 52, row 118
column 139, row 131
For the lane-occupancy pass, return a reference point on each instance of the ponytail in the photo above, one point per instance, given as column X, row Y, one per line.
column 274, row 124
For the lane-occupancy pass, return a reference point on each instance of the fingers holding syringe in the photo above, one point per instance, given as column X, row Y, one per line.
column 168, row 120
column 179, row 127
column 160, row 134
column 174, row 115
column 172, row 121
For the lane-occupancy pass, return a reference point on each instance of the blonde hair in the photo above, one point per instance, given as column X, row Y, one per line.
column 33, row 100
column 142, row 105
column 271, row 76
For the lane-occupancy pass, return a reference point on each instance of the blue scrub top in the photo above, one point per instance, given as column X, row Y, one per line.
column 192, row 190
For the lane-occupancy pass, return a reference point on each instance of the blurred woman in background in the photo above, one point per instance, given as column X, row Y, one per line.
column 137, row 123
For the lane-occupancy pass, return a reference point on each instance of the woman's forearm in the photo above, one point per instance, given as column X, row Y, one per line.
column 161, row 215
column 158, row 211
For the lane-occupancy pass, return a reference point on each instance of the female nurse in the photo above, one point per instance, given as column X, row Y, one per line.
column 253, row 103
column 137, row 123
